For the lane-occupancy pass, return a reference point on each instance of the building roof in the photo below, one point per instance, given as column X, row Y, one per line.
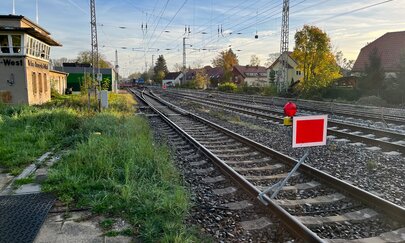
column 21, row 23
column 215, row 72
column 243, row 70
column 172, row 75
column 389, row 47
column 277, row 60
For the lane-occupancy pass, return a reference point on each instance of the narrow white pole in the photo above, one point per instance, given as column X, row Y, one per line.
column 37, row 12
column 13, row 7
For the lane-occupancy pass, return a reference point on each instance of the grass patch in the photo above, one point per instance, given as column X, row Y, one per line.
column 113, row 166
column 19, row 182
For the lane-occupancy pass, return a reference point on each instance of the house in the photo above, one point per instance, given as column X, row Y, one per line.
column 215, row 74
column 78, row 72
column 24, row 61
column 172, row 79
column 293, row 72
column 389, row 47
column 250, row 75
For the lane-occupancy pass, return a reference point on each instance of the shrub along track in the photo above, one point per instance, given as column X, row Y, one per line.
column 313, row 206
column 389, row 141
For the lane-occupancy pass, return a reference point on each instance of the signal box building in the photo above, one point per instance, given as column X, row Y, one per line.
column 24, row 61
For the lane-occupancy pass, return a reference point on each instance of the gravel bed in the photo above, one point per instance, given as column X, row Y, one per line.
column 375, row 172
column 211, row 220
column 353, row 231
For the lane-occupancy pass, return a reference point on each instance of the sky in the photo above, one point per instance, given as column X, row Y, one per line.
column 208, row 27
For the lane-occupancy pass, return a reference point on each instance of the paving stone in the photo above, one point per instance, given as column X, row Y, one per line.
column 28, row 189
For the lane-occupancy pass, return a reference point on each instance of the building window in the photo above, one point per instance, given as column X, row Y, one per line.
column 16, row 39
column 4, row 43
column 45, row 83
column 40, row 82
column 34, row 83
column 298, row 72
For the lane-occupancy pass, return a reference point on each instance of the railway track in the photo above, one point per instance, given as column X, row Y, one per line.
column 314, row 206
column 375, row 138
column 379, row 114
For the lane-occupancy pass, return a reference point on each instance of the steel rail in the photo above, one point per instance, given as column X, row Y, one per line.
column 376, row 116
column 395, row 211
column 294, row 225
column 356, row 138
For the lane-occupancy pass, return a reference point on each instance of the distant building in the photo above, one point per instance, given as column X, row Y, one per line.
column 389, row 47
column 293, row 72
column 24, row 61
column 250, row 75
column 78, row 72
column 172, row 78
column 215, row 75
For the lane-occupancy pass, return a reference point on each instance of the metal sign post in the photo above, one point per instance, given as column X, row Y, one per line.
column 308, row 131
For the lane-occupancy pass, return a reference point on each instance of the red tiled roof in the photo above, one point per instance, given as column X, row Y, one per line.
column 389, row 47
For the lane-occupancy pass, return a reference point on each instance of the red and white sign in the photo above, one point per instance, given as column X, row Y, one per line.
column 164, row 86
column 309, row 131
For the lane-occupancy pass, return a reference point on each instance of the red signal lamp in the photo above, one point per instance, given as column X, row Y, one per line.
column 290, row 109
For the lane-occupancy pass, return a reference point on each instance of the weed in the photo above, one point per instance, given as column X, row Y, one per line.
column 23, row 181
column 107, row 223
column 371, row 164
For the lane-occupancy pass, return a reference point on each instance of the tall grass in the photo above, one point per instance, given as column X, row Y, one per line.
column 113, row 166
column 119, row 171
column 27, row 132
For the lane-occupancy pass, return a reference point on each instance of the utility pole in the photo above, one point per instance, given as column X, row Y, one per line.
column 282, row 79
column 13, row 7
column 94, row 44
column 184, row 60
column 116, row 70
column 153, row 60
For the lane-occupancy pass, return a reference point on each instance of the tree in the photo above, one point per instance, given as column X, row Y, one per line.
column 401, row 73
column 373, row 81
column 59, row 62
column 344, row 64
column 85, row 57
column 134, row 75
column 160, row 69
column 226, row 60
column 254, row 60
column 313, row 54
column 271, row 59
column 201, row 79
column 177, row 67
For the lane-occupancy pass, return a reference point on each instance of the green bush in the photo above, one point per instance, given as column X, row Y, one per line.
column 270, row 90
column 245, row 89
column 227, row 87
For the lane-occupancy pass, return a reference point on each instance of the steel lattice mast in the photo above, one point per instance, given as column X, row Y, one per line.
column 94, row 43
column 284, row 45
